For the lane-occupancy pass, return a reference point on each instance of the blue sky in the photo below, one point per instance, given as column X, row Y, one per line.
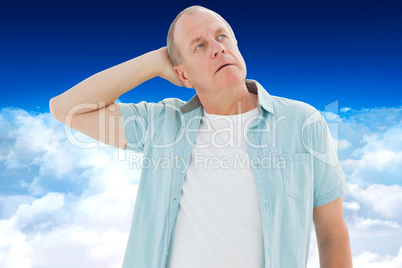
column 64, row 206
column 317, row 52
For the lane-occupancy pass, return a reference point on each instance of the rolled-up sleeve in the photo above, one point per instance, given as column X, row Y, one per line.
column 329, row 179
column 135, row 124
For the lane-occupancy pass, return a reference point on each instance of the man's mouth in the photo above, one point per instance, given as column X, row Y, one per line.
column 223, row 67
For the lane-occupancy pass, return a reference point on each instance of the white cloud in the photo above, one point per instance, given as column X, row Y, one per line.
column 370, row 150
column 61, row 231
column 313, row 260
column 385, row 201
column 14, row 251
column 9, row 204
column 353, row 125
column 366, row 224
column 32, row 137
column 75, row 246
column 340, row 144
column 373, row 216
column 39, row 209
column 345, row 109
column 352, row 206
column 372, row 260
column 77, row 204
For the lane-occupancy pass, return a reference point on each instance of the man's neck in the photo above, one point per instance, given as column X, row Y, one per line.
column 236, row 100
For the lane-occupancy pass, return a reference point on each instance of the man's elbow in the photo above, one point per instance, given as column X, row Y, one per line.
column 53, row 107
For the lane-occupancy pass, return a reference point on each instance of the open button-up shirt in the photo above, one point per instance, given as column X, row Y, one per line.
column 295, row 167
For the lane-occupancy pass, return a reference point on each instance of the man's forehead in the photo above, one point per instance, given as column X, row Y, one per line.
column 188, row 27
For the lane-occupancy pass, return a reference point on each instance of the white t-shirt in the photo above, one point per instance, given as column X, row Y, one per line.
column 219, row 219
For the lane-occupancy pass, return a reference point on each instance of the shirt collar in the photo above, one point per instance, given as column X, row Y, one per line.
column 264, row 98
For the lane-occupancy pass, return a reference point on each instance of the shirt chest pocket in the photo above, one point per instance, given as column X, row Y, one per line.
column 298, row 175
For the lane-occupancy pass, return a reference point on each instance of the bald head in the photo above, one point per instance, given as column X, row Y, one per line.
column 173, row 48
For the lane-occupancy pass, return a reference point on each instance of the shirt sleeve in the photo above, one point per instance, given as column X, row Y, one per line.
column 135, row 124
column 329, row 179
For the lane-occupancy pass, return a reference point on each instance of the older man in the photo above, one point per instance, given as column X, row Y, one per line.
column 237, row 176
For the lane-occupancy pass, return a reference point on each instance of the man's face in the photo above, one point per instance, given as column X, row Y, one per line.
column 212, row 60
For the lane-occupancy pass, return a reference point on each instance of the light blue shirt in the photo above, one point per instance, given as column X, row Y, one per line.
column 292, row 156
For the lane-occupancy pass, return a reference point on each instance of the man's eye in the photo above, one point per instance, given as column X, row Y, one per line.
column 199, row 46
column 221, row 36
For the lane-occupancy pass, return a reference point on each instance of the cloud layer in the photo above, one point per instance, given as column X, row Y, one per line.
column 63, row 206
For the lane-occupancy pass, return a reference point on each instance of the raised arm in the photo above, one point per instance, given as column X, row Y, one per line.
column 89, row 106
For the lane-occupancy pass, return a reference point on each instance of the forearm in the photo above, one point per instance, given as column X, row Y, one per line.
column 335, row 252
column 103, row 88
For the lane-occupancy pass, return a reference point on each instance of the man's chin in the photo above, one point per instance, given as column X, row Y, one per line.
column 231, row 80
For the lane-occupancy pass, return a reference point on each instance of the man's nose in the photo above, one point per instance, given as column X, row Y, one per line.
column 217, row 48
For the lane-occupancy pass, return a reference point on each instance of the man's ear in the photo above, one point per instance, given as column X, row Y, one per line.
column 182, row 76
